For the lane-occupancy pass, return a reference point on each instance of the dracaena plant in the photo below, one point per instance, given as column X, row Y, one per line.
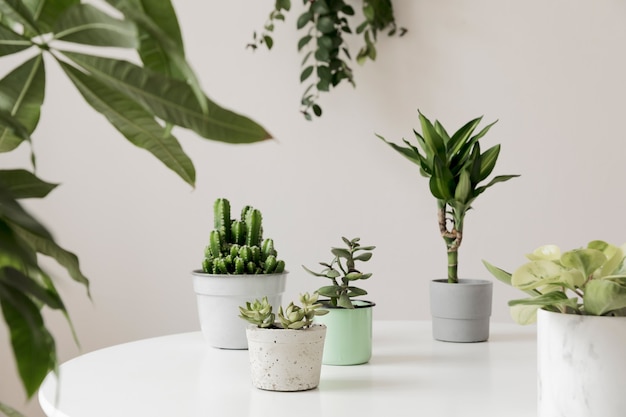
column 589, row 280
column 143, row 100
column 327, row 26
column 294, row 317
column 456, row 169
column 342, row 272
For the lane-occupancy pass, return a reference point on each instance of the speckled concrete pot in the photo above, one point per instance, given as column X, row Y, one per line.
column 286, row 360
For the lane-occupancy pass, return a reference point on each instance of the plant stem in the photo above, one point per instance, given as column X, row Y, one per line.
column 452, row 237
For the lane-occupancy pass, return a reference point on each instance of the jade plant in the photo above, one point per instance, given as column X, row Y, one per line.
column 456, row 169
column 259, row 313
column 326, row 26
column 342, row 273
column 589, row 281
column 236, row 246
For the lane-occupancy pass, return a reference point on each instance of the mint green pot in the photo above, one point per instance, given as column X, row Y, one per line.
column 348, row 334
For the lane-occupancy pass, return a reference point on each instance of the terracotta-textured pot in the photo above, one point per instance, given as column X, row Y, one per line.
column 461, row 312
column 285, row 359
column 581, row 365
column 219, row 297
column 348, row 334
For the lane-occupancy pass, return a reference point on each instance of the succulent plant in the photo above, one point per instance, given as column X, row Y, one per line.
column 259, row 312
column 236, row 246
column 342, row 272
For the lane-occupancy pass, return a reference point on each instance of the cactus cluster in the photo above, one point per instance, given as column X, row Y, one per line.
column 259, row 312
column 236, row 246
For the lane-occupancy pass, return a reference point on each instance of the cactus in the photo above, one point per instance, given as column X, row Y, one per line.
column 236, row 246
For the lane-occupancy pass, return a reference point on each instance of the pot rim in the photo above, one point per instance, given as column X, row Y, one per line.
column 200, row 273
column 463, row 281
column 326, row 303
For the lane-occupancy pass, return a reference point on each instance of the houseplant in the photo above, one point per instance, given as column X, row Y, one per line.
column 142, row 100
column 238, row 265
column 326, row 26
column 456, row 169
column 285, row 355
column 578, row 299
column 349, row 322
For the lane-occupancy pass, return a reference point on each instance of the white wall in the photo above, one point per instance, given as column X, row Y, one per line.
column 551, row 72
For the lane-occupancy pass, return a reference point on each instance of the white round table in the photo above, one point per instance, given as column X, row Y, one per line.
column 410, row 374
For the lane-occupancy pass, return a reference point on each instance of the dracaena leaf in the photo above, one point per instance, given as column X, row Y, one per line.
column 135, row 123
column 461, row 136
column 499, row 178
column 86, row 24
column 488, row 161
column 434, row 146
column 171, row 100
column 442, row 182
column 21, row 98
column 463, row 190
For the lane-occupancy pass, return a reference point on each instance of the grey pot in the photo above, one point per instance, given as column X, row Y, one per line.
column 461, row 312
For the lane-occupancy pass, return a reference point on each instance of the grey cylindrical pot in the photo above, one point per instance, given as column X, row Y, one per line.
column 461, row 312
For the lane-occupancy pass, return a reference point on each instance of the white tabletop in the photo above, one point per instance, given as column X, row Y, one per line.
column 410, row 374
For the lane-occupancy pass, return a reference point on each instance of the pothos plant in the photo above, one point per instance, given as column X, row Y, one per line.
column 456, row 169
column 326, row 26
column 342, row 273
column 143, row 100
column 294, row 317
column 589, row 280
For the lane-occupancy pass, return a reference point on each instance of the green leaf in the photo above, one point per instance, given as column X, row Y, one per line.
column 524, row 314
column 341, row 252
column 283, row 5
column 46, row 12
column 14, row 214
column 21, row 95
column 329, row 291
column 89, row 25
column 545, row 252
column 269, row 42
column 488, row 162
column 171, row 100
column 325, row 25
column 344, row 301
column 463, row 190
column 135, row 123
column 304, row 19
column 11, row 42
column 317, row 110
column 17, row 132
column 306, row 73
column 33, row 346
column 363, row 257
column 604, row 296
column 304, row 41
column 17, row 11
column 31, row 287
column 47, row 246
column 499, row 178
column 441, row 182
column 433, row 142
column 412, row 154
column 536, row 274
column 461, row 136
column 24, row 184
column 584, row 260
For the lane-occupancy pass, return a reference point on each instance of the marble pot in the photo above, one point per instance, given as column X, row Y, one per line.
column 461, row 312
column 286, row 359
column 581, row 365
column 348, row 334
column 219, row 297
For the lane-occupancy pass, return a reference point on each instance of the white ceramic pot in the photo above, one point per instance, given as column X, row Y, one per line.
column 219, row 298
column 285, row 359
column 461, row 312
column 581, row 365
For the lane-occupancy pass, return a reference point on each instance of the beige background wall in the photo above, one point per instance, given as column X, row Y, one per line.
column 552, row 73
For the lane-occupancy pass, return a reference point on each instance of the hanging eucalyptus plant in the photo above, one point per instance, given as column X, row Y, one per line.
column 327, row 59
column 143, row 100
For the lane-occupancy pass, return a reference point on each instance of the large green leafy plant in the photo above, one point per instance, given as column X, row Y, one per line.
column 456, row 169
column 142, row 97
column 327, row 26
column 590, row 280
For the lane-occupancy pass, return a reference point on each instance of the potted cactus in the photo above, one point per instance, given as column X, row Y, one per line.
column 578, row 299
column 285, row 354
column 456, row 169
column 238, row 265
column 349, row 322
